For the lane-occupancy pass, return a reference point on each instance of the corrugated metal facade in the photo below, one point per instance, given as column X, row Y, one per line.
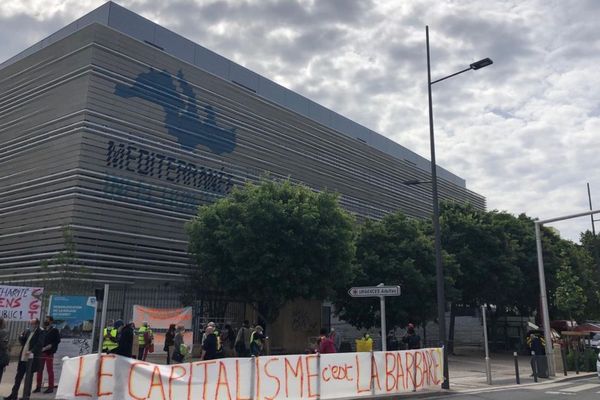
column 121, row 142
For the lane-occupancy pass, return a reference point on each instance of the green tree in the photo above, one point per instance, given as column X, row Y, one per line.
column 270, row 243
column 63, row 272
column 569, row 296
column 591, row 244
column 581, row 261
column 394, row 251
column 485, row 255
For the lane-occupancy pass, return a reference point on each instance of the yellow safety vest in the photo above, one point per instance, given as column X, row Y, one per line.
column 141, row 332
column 219, row 345
column 109, row 344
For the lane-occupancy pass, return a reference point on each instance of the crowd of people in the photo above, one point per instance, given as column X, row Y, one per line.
column 125, row 340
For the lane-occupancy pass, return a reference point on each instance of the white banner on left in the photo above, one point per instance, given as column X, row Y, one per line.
column 18, row 303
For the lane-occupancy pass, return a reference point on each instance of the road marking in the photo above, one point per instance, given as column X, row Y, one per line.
column 580, row 388
column 548, row 385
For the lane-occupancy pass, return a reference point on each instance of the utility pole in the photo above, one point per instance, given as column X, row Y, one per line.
column 592, row 215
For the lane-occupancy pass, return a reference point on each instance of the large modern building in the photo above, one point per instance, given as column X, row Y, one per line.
column 120, row 129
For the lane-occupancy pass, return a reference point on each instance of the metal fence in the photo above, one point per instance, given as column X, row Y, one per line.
column 121, row 299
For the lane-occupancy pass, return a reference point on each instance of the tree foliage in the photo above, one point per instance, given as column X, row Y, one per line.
column 394, row 251
column 484, row 253
column 63, row 272
column 569, row 296
column 272, row 242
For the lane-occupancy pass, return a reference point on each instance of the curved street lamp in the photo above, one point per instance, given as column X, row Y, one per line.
column 439, row 269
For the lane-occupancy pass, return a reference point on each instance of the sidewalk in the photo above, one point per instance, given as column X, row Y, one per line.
column 467, row 374
column 467, row 371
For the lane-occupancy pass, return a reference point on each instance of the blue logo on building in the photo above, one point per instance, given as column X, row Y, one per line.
column 183, row 119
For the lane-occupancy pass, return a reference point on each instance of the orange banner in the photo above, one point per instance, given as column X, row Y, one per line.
column 159, row 320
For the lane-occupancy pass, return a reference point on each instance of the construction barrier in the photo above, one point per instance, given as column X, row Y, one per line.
column 327, row 376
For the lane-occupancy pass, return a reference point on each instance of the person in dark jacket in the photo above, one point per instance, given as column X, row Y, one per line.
column 539, row 362
column 125, row 339
column 51, row 342
column 169, row 342
column 242, row 340
column 210, row 345
column 412, row 340
column 32, row 342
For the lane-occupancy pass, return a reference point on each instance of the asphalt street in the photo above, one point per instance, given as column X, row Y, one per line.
column 580, row 389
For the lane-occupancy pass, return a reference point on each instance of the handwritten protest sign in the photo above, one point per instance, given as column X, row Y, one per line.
column 19, row 303
column 311, row 376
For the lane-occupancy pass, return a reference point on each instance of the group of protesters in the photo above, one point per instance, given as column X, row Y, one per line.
column 217, row 342
column 226, row 342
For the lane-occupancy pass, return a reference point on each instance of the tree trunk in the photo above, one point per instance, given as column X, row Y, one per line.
column 451, row 328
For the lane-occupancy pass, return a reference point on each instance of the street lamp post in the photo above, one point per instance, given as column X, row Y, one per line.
column 439, row 269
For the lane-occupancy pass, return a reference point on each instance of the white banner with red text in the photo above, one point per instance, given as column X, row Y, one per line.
column 327, row 376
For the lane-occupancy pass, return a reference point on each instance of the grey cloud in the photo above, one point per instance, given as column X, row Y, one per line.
column 518, row 131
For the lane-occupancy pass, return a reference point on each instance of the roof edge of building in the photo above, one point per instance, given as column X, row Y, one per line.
column 136, row 26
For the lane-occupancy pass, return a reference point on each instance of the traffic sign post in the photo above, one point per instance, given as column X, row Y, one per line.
column 380, row 291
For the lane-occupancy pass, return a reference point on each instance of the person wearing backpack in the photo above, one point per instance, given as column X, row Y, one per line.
column 242, row 340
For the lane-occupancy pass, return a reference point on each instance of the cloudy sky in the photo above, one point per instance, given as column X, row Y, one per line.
column 522, row 132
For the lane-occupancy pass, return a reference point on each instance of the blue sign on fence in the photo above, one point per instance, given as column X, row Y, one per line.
column 74, row 317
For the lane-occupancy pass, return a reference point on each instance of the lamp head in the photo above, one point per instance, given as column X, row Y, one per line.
column 481, row 63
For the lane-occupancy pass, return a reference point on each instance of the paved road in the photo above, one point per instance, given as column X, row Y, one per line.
column 580, row 389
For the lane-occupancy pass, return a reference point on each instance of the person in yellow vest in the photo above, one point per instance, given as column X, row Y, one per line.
column 110, row 342
column 145, row 340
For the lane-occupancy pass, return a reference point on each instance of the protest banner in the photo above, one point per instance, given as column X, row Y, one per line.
column 18, row 303
column 74, row 317
column 159, row 320
column 329, row 376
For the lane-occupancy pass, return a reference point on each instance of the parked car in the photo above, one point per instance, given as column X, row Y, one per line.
column 598, row 365
column 595, row 340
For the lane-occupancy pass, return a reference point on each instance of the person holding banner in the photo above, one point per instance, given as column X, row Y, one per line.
column 32, row 342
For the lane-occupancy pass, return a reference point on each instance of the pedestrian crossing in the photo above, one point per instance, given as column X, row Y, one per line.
column 567, row 388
